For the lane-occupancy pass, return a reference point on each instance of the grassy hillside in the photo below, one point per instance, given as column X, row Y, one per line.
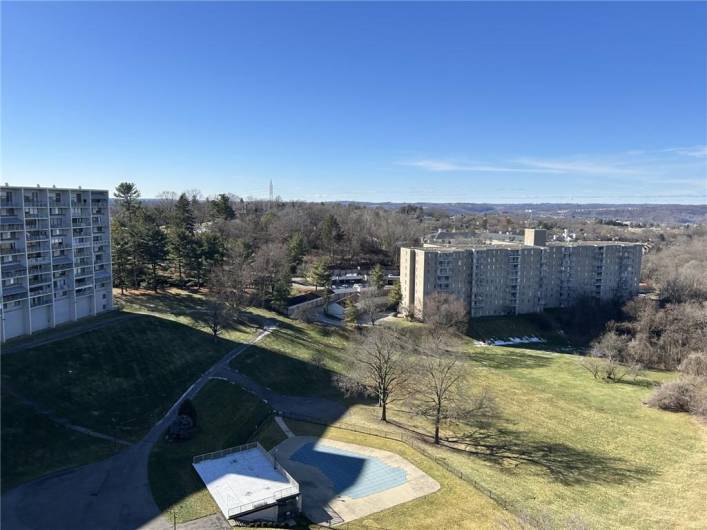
column 116, row 380
column 286, row 360
column 33, row 445
column 227, row 416
column 563, row 443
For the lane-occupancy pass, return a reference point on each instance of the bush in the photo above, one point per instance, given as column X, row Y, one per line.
column 694, row 364
column 676, row 396
column 187, row 408
column 699, row 402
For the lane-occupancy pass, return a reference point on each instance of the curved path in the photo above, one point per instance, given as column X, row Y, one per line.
column 114, row 494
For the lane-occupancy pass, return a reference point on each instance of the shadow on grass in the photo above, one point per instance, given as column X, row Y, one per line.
column 509, row 360
column 570, row 466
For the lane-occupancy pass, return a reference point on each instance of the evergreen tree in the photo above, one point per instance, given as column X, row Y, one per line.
column 280, row 295
column 152, row 246
column 296, row 249
column 209, row 253
column 222, row 209
column 332, row 234
column 377, row 279
column 319, row 275
column 122, row 252
column 395, row 296
column 127, row 195
column 183, row 245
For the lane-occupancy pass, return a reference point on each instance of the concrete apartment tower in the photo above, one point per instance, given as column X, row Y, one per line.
column 512, row 279
column 55, row 261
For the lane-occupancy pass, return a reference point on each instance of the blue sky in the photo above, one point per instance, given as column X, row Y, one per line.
column 473, row 102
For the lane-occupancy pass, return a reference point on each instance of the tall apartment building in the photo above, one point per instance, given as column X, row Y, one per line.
column 516, row 279
column 55, row 262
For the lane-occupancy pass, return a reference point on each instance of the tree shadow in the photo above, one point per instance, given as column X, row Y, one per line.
column 508, row 360
column 509, row 448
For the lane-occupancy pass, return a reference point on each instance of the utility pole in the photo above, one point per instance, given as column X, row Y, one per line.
column 270, row 189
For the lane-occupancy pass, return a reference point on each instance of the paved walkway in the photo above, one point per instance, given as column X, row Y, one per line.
column 62, row 421
column 113, row 494
column 281, row 423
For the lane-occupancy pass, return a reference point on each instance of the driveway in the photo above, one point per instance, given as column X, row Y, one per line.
column 113, row 494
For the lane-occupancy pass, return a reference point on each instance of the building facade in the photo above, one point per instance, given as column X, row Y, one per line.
column 55, row 261
column 496, row 280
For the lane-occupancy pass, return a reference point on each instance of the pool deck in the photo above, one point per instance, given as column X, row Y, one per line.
column 320, row 500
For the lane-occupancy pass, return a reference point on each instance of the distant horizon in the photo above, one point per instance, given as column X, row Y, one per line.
column 505, row 103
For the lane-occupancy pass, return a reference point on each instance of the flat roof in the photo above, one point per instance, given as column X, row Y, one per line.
column 429, row 247
column 244, row 479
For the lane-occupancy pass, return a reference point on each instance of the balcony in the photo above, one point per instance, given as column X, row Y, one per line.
column 13, row 297
column 14, row 289
column 34, row 203
column 41, row 300
column 42, row 214
column 11, row 220
column 37, row 235
column 11, row 250
column 14, row 272
column 41, row 260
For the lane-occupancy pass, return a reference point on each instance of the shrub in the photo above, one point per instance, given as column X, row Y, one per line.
column 694, row 364
column 676, row 396
column 699, row 402
column 187, row 408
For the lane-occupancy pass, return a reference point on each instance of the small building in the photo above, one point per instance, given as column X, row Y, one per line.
column 248, row 484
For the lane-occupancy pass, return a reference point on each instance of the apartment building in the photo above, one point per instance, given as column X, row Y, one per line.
column 55, row 262
column 519, row 278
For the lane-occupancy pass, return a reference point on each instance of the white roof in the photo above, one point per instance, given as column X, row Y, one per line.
column 245, row 480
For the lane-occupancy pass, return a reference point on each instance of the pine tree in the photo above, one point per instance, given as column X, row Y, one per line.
column 332, row 234
column 152, row 246
column 395, row 296
column 183, row 245
column 127, row 195
column 121, row 253
column 296, row 249
column 377, row 279
column 222, row 209
column 319, row 275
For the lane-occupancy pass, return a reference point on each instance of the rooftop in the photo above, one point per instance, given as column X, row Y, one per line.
column 244, row 478
column 463, row 247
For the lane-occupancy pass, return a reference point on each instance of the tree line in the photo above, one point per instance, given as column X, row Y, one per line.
column 665, row 331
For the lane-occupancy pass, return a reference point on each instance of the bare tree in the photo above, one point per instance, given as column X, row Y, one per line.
column 441, row 383
column 381, row 363
column 608, row 358
column 227, row 286
column 370, row 304
column 218, row 316
column 445, row 313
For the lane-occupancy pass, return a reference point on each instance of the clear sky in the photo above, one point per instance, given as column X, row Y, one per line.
column 472, row 102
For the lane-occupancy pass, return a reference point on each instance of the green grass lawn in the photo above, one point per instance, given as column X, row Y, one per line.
column 227, row 416
column 50, row 448
column 563, row 443
column 291, row 349
column 576, row 445
column 117, row 380
column 455, row 505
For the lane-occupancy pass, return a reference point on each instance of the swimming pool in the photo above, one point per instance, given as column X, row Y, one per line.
column 353, row 475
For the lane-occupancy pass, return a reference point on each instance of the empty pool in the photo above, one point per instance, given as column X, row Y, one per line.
column 353, row 474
